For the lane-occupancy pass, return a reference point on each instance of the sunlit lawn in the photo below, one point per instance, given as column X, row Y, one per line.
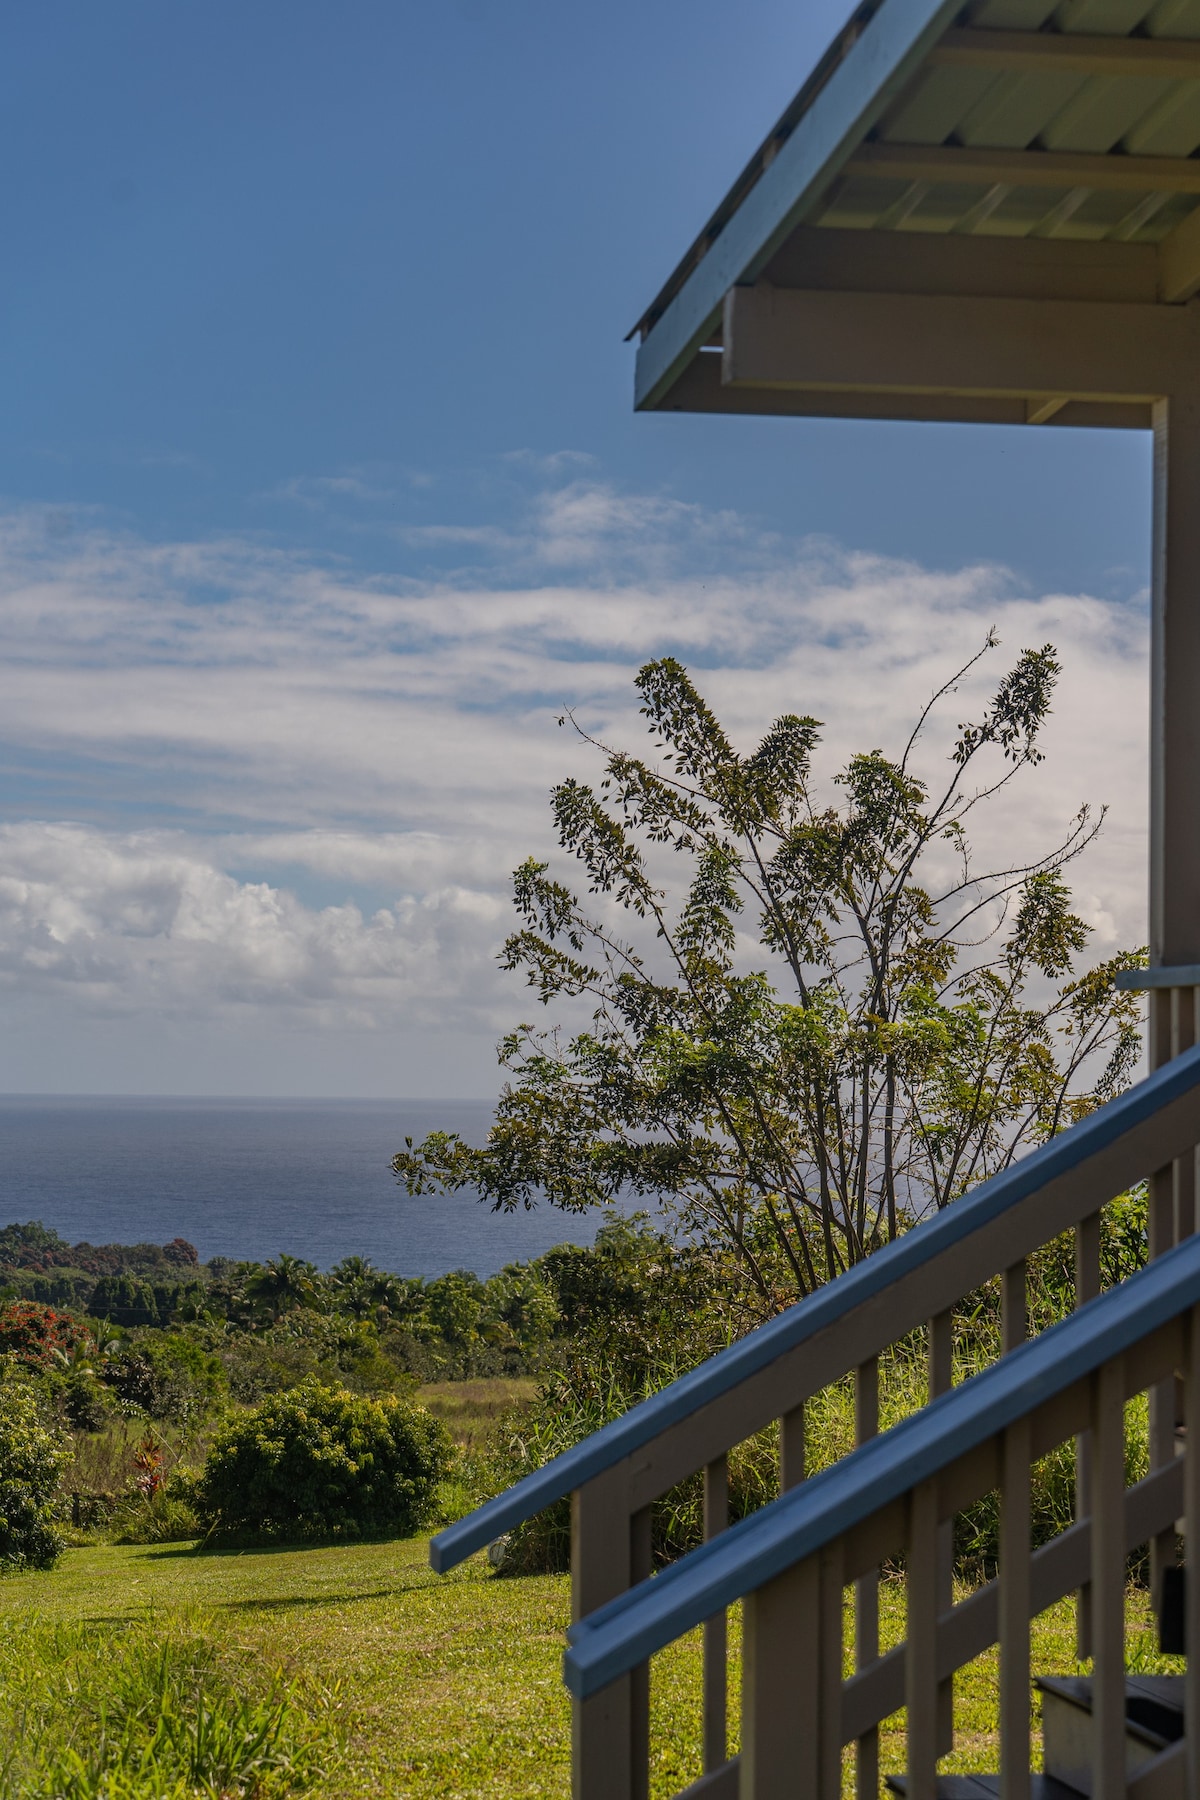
column 449, row 1685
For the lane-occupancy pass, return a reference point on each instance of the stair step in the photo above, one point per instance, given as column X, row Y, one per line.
column 1153, row 1720
column 987, row 1787
column 1153, row 1703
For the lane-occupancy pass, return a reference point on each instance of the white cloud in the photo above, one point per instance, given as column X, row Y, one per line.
column 146, row 921
column 392, row 742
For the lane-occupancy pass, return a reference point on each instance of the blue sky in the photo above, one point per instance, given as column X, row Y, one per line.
column 322, row 494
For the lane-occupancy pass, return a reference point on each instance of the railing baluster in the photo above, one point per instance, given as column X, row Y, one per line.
column 1183, row 1036
column 1108, row 1583
column 1160, row 1228
column 829, row 1784
column 1087, row 1286
column 791, row 1449
column 866, row 1588
column 641, row 1562
column 601, row 1735
column 920, row 1658
column 1014, row 1322
column 941, row 1378
column 781, row 1686
column 1015, row 1608
column 716, row 1707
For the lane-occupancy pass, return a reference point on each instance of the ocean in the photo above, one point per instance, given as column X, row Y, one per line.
column 249, row 1178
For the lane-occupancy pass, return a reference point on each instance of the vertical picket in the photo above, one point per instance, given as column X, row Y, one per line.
column 920, row 1656
column 866, row 1588
column 781, row 1686
column 716, row 1708
column 941, row 1377
column 1015, row 1608
column 1108, row 1583
column 1087, row 1286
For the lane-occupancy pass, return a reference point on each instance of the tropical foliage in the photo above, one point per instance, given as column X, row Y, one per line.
column 814, row 1015
column 321, row 1463
column 32, row 1457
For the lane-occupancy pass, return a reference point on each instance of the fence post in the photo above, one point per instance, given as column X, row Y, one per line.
column 602, row 1727
column 1015, row 1607
column 1108, row 1583
column 781, row 1686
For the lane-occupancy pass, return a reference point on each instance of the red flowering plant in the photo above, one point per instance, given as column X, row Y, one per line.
column 33, row 1333
column 150, row 1466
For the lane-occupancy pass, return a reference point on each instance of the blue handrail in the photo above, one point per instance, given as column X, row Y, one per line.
column 620, row 1636
column 802, row 1322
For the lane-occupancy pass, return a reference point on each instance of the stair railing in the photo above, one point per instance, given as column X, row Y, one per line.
column 1174, row 1012
column 615, row 1475
column 891, row 1499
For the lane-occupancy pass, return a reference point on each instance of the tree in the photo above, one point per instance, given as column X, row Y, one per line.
column 837, row 1025
column 35, row 1335
column 282, row 1284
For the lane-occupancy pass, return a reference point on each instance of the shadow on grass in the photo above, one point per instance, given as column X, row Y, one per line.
column 205, row 1547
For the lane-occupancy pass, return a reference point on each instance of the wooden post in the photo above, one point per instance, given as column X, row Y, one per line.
column 602, row 1728
column 866, row 1588
column 1108, row 1583
column 922, row 1693
column 1015, row 1608
column 781, row 1686
column 1175, row 683
column 1087, row 1286
column 715, row 1729
column 941, row 1379
column 1174, row 807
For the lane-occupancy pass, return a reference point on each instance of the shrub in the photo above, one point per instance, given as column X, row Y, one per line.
column 32, row 1333
column 31, row 1460
column 321, row 1463
column 83, row 1399
column 167, row 1376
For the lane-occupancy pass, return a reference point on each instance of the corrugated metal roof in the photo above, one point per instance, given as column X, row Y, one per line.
column 1013, row 81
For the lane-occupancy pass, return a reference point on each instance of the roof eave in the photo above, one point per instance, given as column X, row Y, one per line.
column 871, row 73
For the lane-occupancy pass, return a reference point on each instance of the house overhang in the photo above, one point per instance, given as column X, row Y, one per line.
column 987, row 213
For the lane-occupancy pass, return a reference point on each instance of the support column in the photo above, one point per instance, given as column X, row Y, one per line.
column 1175, row 683
column 1174, row 805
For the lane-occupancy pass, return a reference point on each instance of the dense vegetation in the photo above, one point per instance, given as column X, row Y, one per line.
column 134, row 1400
column 206, row 1424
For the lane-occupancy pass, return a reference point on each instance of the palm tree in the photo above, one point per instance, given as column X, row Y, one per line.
column 283, row 1284
column 352, row 1279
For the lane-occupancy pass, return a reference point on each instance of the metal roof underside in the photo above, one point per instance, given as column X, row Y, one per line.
column 1076, row 123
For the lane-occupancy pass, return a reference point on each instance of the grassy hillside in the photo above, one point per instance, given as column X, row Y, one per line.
column 401, row 1683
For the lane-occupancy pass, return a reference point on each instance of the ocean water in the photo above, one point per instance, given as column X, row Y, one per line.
column 248, row 1178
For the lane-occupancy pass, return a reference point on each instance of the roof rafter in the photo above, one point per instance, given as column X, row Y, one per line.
column 1044, row 52
column 1028, row 168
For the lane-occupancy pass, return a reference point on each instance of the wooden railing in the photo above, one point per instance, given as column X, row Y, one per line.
column 1174, row 1006
column 891, row 1500
column 616, row 1475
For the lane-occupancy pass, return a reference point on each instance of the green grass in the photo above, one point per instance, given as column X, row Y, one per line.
column 396, row 1682
column 471, row 1410
column 448, row 1685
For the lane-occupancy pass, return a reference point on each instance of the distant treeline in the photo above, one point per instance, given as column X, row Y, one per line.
column 366, row 1321
column 133, row 1284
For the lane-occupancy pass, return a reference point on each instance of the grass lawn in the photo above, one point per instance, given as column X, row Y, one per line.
column 433, row 1686
column 448, row 1685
